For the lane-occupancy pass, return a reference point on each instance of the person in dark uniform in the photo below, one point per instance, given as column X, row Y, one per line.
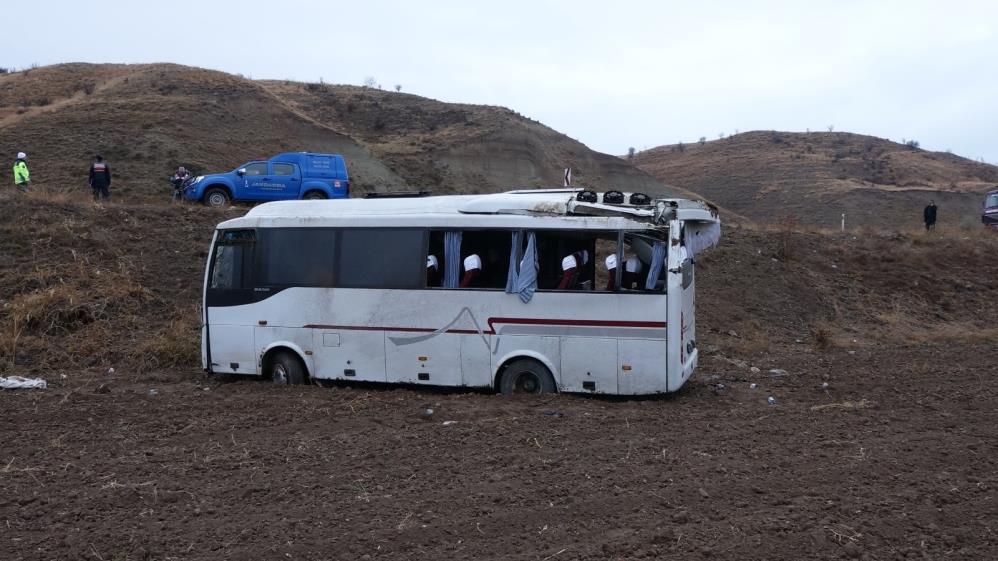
column 929, row 214
column 100, row 178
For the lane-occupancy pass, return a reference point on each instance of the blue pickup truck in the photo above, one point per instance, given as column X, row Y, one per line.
column 292, row 175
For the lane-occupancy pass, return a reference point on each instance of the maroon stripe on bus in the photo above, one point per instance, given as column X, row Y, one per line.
column 368, row 328
column 578, row 322
column 512, row 321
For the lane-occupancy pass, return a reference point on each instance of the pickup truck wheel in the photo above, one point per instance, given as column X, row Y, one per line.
column 315, row 196
column 216, row 197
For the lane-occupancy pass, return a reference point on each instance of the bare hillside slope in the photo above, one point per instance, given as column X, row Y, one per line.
column 818, row 176
column 147, row 119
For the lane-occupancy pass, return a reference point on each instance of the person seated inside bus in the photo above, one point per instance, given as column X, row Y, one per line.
column 432, row 271
column 631, row 279
column 571, row 266
column 472, row 271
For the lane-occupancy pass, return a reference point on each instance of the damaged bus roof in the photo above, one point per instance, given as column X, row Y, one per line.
column 512, row 209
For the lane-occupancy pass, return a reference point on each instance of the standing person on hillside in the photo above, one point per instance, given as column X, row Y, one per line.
column 100, row 179
column 22, row 179
column 178, row 180
column 929, row 214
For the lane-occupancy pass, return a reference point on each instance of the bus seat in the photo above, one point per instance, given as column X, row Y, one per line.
column 632, row 273
column 570, row 266
column 432, row 270
column 611, row 269
column 472, row 270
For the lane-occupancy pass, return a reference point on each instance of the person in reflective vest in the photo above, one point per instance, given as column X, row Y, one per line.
column 22, row 178
column 100, row 178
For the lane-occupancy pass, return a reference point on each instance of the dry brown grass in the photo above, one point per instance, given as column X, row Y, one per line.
column 176, row 345
column 73, row 302
column 44, row 195
column 787, row 245
column 823, row 335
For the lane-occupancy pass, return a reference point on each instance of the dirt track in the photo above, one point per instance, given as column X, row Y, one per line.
column 887, row 463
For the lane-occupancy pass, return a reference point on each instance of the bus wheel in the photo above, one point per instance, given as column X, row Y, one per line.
column 216, row 197
column 287, row 369
column 526, row 376
column 315, row 196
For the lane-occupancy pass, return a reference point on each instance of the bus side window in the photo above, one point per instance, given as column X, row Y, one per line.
column 637, row 259
column 296, row 257
column 485, row 258
column 567, row 260
column 381, row 258
column 436, row 259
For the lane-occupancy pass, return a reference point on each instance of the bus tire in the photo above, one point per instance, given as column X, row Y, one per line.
column 315, row 196
column 286, row 369
column 525, row 375
column 216, row 197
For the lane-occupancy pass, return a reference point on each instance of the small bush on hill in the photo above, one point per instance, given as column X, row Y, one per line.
column 316, row 87
column 787, row 227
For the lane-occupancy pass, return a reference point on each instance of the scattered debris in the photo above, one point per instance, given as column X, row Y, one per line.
column 110, row 371
column 771, row 400
column 153, row 391
column 21, row 383
column 426, row 414
column 753, row 386
column 734, row 361
column 448, row 423
column 103, row 388
column 778, row 372
column 553, row 413
column 754, row 370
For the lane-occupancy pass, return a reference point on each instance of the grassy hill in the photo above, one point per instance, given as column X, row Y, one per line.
column 147, row 119
column 817, row 176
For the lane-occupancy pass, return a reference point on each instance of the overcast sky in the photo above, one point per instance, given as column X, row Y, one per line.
column 610, row 74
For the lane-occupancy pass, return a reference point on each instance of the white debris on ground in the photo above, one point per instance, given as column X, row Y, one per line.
column 20, row 383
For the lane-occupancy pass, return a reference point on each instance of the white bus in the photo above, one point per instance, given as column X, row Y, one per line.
column 524, row 292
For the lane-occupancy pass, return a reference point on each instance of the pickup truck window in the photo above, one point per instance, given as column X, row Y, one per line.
column 284, row 169
column 257, row 169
